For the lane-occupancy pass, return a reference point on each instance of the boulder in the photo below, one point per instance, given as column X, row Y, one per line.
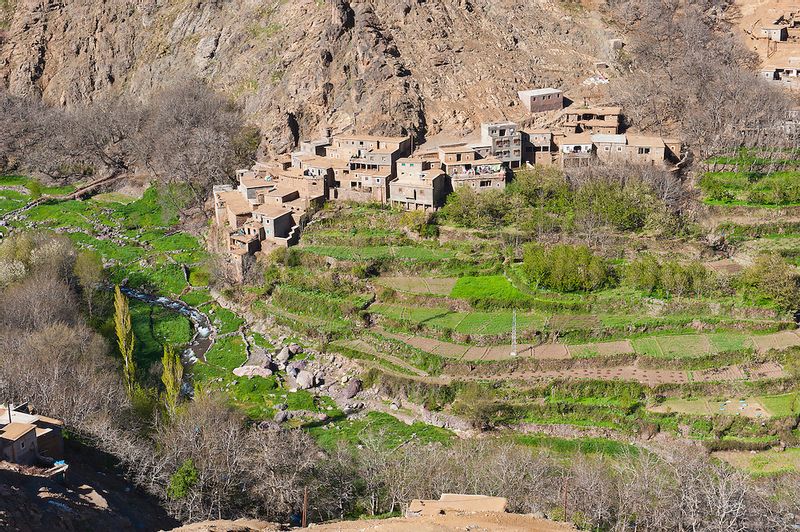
column 281, row 406
column 281, row 416
column 295, row 349
column 305, row 379
column 252, row 371
column 283, row 356
column 295, row 367
column 352, row 389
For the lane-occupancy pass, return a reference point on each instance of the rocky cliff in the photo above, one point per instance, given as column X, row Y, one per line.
column 384, row 66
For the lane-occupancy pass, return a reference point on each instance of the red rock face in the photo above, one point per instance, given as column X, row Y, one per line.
column 381, row 66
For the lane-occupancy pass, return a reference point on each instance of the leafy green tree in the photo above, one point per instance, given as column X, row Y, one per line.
column 125, row 339
column 35, row 188
column 89, row 271
column 565, row 268
column 643, row 273
column 773, row 278
column 172, row 377
column 462, row 207
column 183, row 480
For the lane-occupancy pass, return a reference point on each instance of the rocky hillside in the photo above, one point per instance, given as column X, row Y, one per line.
column 86, row 500
column 386, row 66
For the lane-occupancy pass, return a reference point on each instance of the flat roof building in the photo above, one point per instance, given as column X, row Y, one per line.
column 542, row 100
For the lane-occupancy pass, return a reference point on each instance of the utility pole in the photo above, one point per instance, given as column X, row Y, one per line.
column 305, row 507
column 514, row 334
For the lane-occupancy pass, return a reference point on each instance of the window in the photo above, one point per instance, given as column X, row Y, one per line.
column 619, row 148
column 644, row 151
column 378, row 180
column 502, row 132
column 606, row 148
column 458, row 157
column 484, row 184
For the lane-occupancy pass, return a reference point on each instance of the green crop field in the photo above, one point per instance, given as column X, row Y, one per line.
column 752, row 188
column 491, row 289
column 441, row 286
column 477, row 322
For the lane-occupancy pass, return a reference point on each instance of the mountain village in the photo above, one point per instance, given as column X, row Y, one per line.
column 275, row 199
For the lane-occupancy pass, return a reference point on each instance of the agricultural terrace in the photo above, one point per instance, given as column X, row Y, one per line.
column 754, row 178
column 429, row 306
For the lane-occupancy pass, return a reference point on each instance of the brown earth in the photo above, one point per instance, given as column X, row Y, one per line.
column 89, row 499
column 383, row 66
column 477, row 522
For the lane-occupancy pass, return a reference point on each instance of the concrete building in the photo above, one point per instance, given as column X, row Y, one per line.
column 501, row 140
column 593, row 120
column 26, row 437
column 418, row 186
column 542, row 100
column 775, row 33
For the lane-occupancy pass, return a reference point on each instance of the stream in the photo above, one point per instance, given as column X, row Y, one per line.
column 204, row 331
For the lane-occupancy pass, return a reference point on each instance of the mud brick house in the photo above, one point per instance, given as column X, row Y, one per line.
column 268, row 209
column 26, row 437
column 370, row 165
column 537, row 147
column 542, row 100
column 466, row 168
column 575, row 150
column 593, row 120
column 610, row 147
column 418, row 186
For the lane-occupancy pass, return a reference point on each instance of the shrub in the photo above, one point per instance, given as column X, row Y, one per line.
column 182, row 480
column 565, row 268
column 648, row 274
column 773, row 278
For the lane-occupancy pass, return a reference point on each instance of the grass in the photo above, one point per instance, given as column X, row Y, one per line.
column 691, row 345
column 477, row 323
column 776, row 406
column 228, row 353
column 489, row 290
column 570, row 446
column 195, row 298
column 410, row 253
column 765, row 463
column 783, row 405
column 225, row 320
column 390, row 431
column 153, row 327
column 752, row 188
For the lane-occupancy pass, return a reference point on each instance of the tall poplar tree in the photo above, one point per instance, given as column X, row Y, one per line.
column 125, row 338
column 172, row 377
